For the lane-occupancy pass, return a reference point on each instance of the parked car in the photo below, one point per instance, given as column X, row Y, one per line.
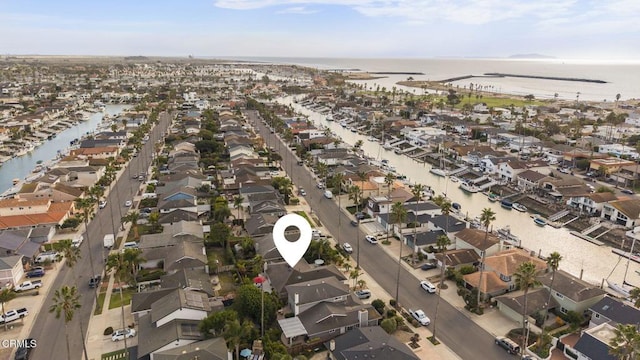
column 128, row 203
column 47, row 255
column 354, row 223
column 77, row 241
column 13, row 315
column 302, row 192
column 121, row 334
column 36, row 272
column 360, row 215
column 102, row 204
column 371, row 239
column 363, row 294
column 428, row 287
column 347, row 247
column 95, row 281
column 25, row 349
column 428, row 266
column 627, row 191
column 508, row 344
column 419, row 315
column 28, row 285
column 320, row 186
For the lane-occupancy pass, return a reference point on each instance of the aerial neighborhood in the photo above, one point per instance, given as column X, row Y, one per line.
column 148, row 222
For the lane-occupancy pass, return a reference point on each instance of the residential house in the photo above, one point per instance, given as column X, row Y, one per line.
column 141, row 301
column 570, row 292
column 11, row 271
column 370, row 342
column 594, row 343
column 513, row 305
column 613, row 312
column 55, row 214
column 58, row 192
column 260, row 224
column 592, row 204
column 211, row 349
column 96, row 152
column 18, row 242
column 281, row 275
column 609, row 166
column 625, row 212
column 509, row 170
column 304, row 295
column 529, row 180
column 475, row 239
column 458, row 258
column 563, row 187
column 189, row 279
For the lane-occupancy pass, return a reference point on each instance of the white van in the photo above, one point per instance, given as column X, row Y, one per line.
column 328, row 194
column 129, row 245
column 149, row 196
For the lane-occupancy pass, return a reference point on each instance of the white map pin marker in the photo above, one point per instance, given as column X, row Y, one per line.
column 292, row 251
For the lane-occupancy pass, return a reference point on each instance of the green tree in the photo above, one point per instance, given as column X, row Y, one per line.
column 6, row 295
column 133, row 258
column 389, row 325
column 442, row 242
column 553, row 262
column 634, row 296
column 233, row 335
column 398, row 216
column 70, row 252
column 220, row 234
column 117, row 266
column 154, row 219
column 248, row 302
column 220, row 209
column 66, row 301
column 525, row 278
column 237, row 204
column 213, row 325
column 486, row 218
column 626, row 343
column 133, row 217
column 86, row 207
column 416, row 191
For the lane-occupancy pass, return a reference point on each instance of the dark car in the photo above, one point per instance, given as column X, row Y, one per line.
column 95, row 281
column 428, row 266
column 23, row 351
column 354, row 223
column 37, row 272
column 360, row 215
column 627, row 191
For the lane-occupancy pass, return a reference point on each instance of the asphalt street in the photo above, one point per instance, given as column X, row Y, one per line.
column 455, row 329
column 48, row 331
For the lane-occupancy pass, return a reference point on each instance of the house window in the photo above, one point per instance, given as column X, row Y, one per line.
column 560, row 296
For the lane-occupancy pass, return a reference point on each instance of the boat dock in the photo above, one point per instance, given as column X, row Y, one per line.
column 587, row 237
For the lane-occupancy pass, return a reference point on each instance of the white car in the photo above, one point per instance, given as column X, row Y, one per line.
column 302, row 192
column 77, row 241
column 422, row 318
column 428, row 287
column 320, row 186
column 102, row 204
column 347, row 247
column 128, row 203
column 371, row 239
column 121, row 334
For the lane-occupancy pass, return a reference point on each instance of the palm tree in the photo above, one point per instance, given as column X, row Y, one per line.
column 86, row 207
column 232, row 335
column 133, row 258
column 337, row 183
column 486, row 218
column 525, row 278
column 355, row 194
column 323, row 171
column 72, row 255
column 6, row 295
column 398, row 216
column 132, row 217
column 237, row 204
column 442, row 243
column 416, row 191
column 118, row 266
column 154, row 217
column 389, row 179
column 66, row 301
column 553, row 262
column 626, row 343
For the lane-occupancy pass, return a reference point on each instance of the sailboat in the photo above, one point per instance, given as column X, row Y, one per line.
column 624, row 288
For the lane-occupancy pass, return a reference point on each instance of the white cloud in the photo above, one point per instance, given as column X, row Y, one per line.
column 297, row 10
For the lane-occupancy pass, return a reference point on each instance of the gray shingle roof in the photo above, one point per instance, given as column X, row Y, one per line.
column 370, row 342
column 152, row 338
column 179, row 299
column 618, row 312
column 319, row 289
column 571, row 286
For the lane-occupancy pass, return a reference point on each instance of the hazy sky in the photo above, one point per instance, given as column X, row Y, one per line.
column 598, row 29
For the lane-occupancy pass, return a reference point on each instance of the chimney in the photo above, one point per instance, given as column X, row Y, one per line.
column 363, row 318
column 332, row 345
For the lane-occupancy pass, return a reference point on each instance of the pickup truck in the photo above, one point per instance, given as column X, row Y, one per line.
column 13, row 315
column 28, row 285
column 420, row 316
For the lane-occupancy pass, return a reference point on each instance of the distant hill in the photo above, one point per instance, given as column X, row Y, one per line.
column 531, row 56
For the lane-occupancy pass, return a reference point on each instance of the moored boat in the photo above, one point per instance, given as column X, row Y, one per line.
column 493, row 197
column 519, row 207
column 506, row 203
column 539, row 221
column 438, row 172
column 631, row 256
column 454, row 179
column 469, row 187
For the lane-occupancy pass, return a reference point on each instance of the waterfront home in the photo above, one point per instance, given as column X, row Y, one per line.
column 95, row 153
column 509, row 170
column 458, row 258
column 58, row 192
column 511, row 305
column 594, row 344
column 625, row 212
column 570, row 292
column 474, row 239
column 613, row 311
column 592, row 204
column 562, row 187
column 529, row 180
column 29, row 217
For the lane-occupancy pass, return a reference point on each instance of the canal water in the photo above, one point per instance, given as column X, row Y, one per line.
column 596, row 262
column 21, row 167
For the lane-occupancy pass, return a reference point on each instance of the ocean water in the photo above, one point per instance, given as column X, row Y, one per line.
column 621, row 77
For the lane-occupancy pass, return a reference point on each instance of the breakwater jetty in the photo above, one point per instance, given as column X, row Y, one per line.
column 500, row 75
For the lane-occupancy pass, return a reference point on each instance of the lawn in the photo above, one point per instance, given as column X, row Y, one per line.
column 226, row 282
column 100, row 304
column 304, row 215
column 114, row 302
column 494, row 101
